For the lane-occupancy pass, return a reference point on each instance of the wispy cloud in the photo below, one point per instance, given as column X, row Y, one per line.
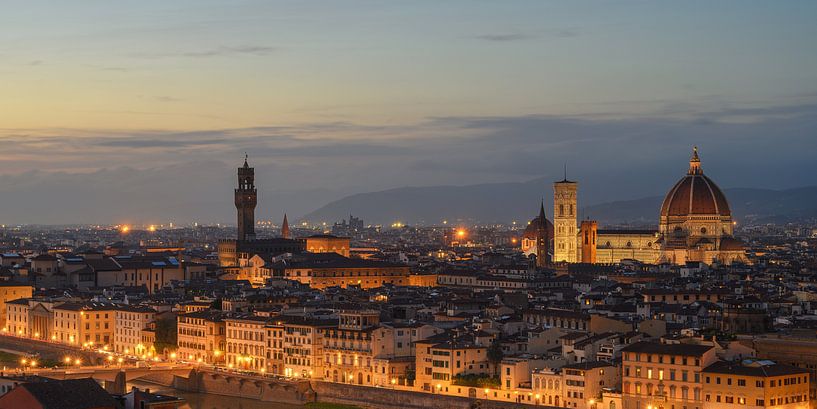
column 501, row 38
column 165, row 98
column 521, row 36
column 221, row 51
column 249, row 50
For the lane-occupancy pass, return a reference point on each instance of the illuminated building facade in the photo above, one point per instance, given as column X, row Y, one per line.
column 565, row 215
column 130, row 321
column 663, row 376
column 695, row 225
column 11, row 291
column 755, row 383
column 201, row 336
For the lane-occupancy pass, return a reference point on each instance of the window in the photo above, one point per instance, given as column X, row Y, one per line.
column 741, row 382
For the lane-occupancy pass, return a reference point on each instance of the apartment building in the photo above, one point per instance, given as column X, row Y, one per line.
column 246, row 339
column 442, row 358
column 668, row 376
column 583, row 382
column 130, row 321
column 302, row 346
column 85, row 323
column 755, row 383
column 201, row 336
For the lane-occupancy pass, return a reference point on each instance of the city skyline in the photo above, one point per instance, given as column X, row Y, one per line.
column 442, row 204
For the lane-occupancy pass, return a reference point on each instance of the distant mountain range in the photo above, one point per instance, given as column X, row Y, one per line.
column 506, row 202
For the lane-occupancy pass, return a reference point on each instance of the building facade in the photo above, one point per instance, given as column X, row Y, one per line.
column 565, row 216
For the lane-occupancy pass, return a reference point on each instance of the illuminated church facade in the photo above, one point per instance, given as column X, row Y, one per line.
column 694, row 225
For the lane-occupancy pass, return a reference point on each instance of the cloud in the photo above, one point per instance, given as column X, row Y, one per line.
column 501, row 38
column 249, row 50
column 222, row 51
column 520, row 36
column 304, row 166
column 165, row 98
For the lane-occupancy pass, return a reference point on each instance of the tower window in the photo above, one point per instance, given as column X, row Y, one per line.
column 561, row 210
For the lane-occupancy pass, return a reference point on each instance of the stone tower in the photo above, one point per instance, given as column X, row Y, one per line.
column 246, row 197
column 542, row 239
column 588, row 232
column 564, row 221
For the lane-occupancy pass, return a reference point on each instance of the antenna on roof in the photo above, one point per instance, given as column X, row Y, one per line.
column 565, row 170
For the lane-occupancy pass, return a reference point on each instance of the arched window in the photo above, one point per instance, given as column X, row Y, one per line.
column 612, row 404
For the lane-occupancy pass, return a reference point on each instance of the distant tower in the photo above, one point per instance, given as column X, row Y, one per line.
column 542, row 239
column 564, row 221
column 285, row 228
column 246, row 197
column 589, row 231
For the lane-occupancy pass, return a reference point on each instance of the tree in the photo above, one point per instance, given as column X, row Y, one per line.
column 166, row 334
column 495, row 354
column 216, row 304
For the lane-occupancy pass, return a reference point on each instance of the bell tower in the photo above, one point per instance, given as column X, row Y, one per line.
column 565, row 221
column 246, row 198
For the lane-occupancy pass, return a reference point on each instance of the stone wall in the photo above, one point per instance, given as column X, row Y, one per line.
column 298, row 392
column 385, row 398
column 246, row 386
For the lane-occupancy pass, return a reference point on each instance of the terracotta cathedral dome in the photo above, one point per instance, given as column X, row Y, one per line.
column 695, row 194
column 531, row 231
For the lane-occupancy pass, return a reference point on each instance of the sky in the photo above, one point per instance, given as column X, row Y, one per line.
column 140, row 111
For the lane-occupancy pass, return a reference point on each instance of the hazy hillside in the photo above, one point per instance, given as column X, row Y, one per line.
column 504, row 202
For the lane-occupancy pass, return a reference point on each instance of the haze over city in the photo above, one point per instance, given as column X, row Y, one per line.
column 137, row 112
